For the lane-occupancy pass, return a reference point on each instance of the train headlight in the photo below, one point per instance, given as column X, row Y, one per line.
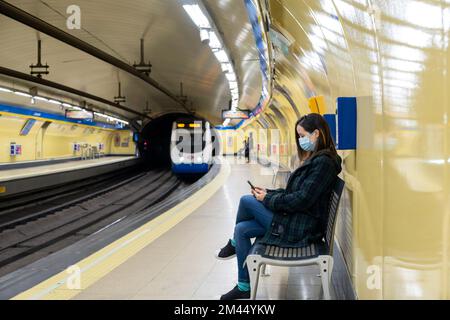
column 199, row 159
column 181, row 159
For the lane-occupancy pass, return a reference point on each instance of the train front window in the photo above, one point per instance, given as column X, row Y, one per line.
column 190, row 141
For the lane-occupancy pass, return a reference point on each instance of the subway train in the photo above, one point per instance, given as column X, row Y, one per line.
column 191, row 149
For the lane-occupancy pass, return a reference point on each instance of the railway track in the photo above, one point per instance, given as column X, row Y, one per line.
column 18, row 204
column 31, row 231
column 20, row 209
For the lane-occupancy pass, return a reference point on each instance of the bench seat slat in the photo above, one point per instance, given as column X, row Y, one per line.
column 313, row 250
column 278, row 253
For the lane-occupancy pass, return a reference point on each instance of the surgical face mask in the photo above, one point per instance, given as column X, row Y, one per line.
column 306, row 144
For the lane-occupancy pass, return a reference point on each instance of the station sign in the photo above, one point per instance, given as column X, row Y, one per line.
column 79, row 114
column 230, row 114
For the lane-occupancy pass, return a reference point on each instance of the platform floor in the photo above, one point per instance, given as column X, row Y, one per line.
column 181, row 264
column 21, row 173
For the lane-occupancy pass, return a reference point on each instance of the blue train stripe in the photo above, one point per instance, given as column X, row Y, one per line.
column 190, row 168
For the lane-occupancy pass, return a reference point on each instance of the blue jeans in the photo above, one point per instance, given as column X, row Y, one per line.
column 253, row 220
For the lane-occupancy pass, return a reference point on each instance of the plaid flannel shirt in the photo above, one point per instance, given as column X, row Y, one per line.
column 300, row 210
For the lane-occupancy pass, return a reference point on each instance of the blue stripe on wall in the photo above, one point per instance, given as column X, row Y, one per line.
column 51, row 116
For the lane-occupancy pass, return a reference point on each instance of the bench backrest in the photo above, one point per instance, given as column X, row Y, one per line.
column 333, row 207
column 293, row 161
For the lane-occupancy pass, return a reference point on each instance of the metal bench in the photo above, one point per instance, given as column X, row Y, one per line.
column 320, row 254
column 241, row 152
column 284, row 172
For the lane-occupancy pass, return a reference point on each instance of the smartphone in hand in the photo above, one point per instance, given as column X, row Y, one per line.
column 251, row 185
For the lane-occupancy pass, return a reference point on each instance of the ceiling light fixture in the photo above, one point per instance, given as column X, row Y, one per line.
column 23, row 94
column 233, row 84
column 214, row 42
column 5, row 90
column 41, row 98
column 226, row 67
column 231, row 76
column 54, row 102
column 197, row 15
column 204, row 36
column 222, row 56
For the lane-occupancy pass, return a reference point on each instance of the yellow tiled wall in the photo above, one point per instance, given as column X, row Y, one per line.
column 393, row 56
column 58, row 139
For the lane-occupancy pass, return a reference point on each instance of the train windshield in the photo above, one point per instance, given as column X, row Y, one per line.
column 189, row 137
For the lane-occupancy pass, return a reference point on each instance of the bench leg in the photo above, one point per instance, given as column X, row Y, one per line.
column 326, row 268
column 253, row 266
column 264, row 271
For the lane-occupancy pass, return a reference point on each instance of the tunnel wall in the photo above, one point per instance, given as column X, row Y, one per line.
column 394, row 218
column 56, row 140
column 155, row 139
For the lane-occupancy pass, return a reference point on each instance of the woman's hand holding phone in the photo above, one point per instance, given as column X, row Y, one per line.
column 259, row 193
column 260, row 189
column 256, row 188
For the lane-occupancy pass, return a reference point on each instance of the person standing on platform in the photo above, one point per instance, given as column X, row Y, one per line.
column 247, row 149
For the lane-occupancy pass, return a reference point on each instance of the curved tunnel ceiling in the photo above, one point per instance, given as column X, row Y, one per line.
column 172, row 45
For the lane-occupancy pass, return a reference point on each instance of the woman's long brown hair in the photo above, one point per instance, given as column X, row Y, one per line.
column 325, row 143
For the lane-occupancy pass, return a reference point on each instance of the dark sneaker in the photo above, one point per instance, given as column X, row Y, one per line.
column 236, row 294
column 226, row 253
